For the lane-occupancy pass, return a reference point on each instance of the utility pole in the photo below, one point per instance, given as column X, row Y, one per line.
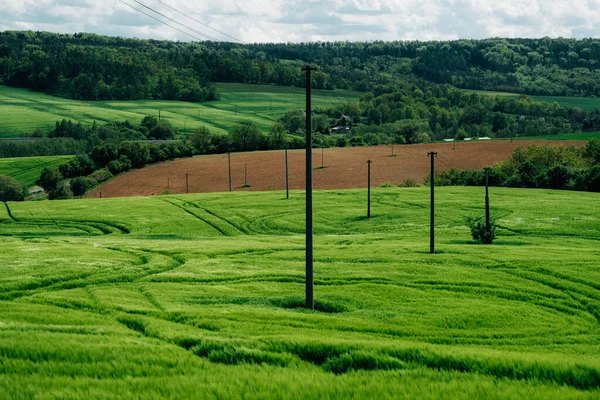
column 454, row 147
column 310, row 300
column 287, row 176
column 488, row 226
column 432, row 155
column 245, row 174
column 229, row 162
column 369, row 162
column 187, row 187
column 393, row 155
column 322, row 157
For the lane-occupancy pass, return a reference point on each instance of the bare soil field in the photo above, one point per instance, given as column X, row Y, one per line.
column 345, row 168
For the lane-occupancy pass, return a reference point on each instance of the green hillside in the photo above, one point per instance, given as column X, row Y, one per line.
column 28, row 169
column 23, row 111
column 585, row 103
column 199, row 296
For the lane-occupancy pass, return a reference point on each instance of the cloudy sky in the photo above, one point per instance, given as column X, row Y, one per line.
column 309, row 20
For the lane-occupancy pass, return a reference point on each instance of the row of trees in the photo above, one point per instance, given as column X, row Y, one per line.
column 541, row 166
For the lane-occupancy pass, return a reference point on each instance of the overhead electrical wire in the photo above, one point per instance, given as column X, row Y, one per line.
column 178, row 23
column 200, row 22
column 162, row 22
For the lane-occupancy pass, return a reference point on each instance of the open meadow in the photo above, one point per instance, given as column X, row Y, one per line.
column 23, row 111
column 200, row 296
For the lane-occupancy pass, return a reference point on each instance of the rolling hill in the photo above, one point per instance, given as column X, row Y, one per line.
column 23, row 111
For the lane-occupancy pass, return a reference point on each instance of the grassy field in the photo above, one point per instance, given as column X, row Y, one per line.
column 585, row 103
column 23, row 111
column 566, row 136
column 198, row 296
column 28, row 169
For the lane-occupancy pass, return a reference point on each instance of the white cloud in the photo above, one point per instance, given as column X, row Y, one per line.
column 311, row 20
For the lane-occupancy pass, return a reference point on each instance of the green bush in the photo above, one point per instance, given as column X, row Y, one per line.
column 49, row 178
column 408, row 183
column 480, row 232
column 80, row 186
column 10, row 189
column 61, row 192
column 101, row 175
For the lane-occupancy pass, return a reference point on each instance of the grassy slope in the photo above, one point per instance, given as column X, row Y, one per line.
column 28, row 169
column 23, row 111
column 179, row 295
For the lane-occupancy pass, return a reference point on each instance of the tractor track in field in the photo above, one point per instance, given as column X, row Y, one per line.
column 215, row 215
column 193, row 214
column 87, row 279
column 10, row 213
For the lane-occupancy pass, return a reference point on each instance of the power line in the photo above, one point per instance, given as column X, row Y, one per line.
column 178, row 23
column 443, row 163
column 162, row 22
column 200, row 22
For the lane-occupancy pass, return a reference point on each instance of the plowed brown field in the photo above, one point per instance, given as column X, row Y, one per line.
column 345, row 168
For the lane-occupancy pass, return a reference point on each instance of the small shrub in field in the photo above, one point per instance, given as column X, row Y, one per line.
column 386, row 185
column 480, row 232
column 408, row 183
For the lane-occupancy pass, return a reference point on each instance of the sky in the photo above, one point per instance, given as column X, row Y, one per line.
column 263, row 21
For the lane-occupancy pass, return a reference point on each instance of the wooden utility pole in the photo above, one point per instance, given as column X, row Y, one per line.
column 322, row 157
column 369, row 162
column 310, row 300
column 488, row 226
column 287, row 176
column 432, row 155
column 187, row 187
column 229, row 163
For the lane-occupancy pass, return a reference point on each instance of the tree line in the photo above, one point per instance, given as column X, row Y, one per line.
column 95, row 67
column 538, row 166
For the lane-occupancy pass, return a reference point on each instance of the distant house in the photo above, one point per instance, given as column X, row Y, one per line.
column 35, row 191
column 343, row 124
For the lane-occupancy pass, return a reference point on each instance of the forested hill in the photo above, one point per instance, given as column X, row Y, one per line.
column 94, row 67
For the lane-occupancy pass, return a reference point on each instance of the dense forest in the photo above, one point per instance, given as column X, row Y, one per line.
column 94, row 67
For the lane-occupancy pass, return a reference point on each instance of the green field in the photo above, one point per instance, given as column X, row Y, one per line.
column 23, row 111
column 198, row 296
column 27, row 170
column 566, row 136
column 585, row 103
